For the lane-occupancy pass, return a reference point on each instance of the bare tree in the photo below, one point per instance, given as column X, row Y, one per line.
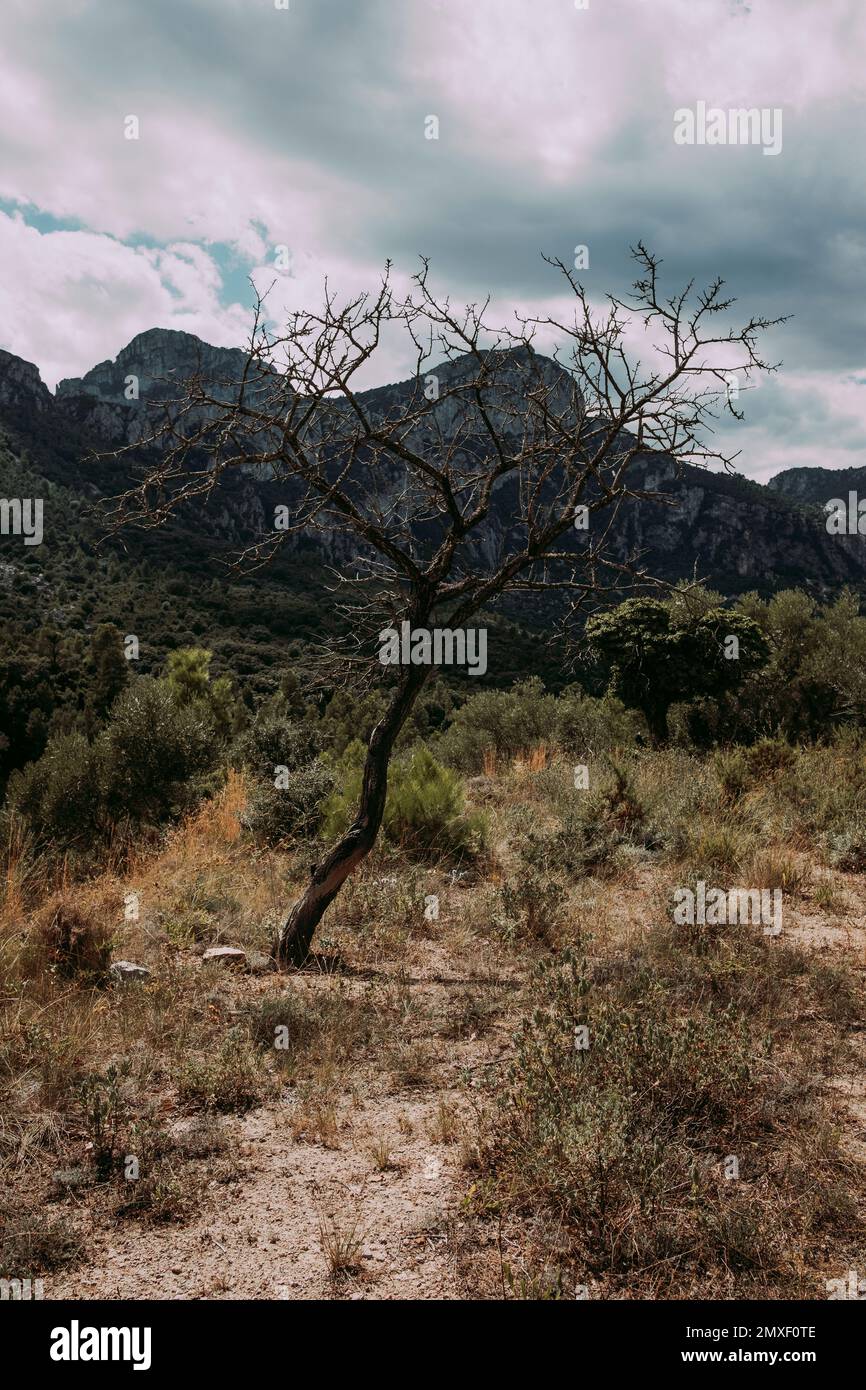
column 493, row 470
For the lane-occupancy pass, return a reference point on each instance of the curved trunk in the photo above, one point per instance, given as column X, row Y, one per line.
column 328, row 877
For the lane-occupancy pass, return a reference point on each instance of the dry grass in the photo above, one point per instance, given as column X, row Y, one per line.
column 342, row 1244
column 707, row 1044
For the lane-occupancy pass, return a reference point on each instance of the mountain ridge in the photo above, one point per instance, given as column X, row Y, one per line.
column 21, row 380
column 735, row 532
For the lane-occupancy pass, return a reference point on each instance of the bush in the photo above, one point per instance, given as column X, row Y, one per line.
column 154, row 755
column 278, row 815
column 230, row 1080
column 733, row 772
column 292, row 809
column 717, row 847
column 586, row 727
column 769, row 755
column 33, row 1242
column 272, row 741
column 847, row 849
column 631, row 1081
column 146, row 766
column 501, row 723
column 59, row 796
column 424, row 811
column 695, row 724
column 589, row 835
column 289, row 1025
column 74, row 944
column 594, row 1133
column 530, row 908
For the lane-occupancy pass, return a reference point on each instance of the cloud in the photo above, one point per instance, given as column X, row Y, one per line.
column 306, row 127
column 78, row 297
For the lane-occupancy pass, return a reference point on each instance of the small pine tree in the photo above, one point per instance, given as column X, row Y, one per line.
column 110, row 670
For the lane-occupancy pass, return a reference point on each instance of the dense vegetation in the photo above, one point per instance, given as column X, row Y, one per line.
column 550, row 827
column 94, row 748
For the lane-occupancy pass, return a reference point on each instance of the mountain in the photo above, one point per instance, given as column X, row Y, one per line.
column 735, row 534
column 814, row 487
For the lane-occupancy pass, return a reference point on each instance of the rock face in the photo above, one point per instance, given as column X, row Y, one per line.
column 733, row 533
column 738, row 534
column 160, row 360
column 21, row 386
column 816, row 486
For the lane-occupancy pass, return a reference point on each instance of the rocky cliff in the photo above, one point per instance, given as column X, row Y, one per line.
column 735, row 534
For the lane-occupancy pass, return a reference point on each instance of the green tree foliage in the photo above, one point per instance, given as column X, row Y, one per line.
column 110, row 667
column 188, row 674
column 816, row 675
column 149, row 764
column 655, row 657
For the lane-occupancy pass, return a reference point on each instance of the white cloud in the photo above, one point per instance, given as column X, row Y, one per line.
column 305, row 128
column 78, row 297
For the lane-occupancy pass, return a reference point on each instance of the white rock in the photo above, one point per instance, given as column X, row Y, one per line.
column 224, row 955
column 125, row 970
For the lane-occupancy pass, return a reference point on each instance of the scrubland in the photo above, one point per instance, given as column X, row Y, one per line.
column 506, row 1071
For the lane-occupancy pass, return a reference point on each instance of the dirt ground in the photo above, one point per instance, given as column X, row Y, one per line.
column 391, row 1178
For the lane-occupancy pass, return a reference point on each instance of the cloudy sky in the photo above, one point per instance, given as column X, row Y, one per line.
column 304, row 127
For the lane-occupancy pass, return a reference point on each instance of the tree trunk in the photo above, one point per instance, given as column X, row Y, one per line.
column 328, row 877
column 657, row 721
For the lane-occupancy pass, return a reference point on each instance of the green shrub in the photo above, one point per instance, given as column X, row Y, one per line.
column 594, row 1132
column 501, row 723
column 769, row 755
column 846, row 850
column 587, row 727
column 147, row 765
column 734, row 773
column 229, row 1080
column 425, row 813
column 289, row 782
column 290, row 1025
column 105, row 1113
column 60, row 795
column 591, row 831
column 278, row 815
column 695, row 723
column 273, row 740
column 424, row 810
column 717, row 847
column 632, row 1078
column 154, row 755
column 289, row 1019
column 33, row 1240
column 529, row 908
